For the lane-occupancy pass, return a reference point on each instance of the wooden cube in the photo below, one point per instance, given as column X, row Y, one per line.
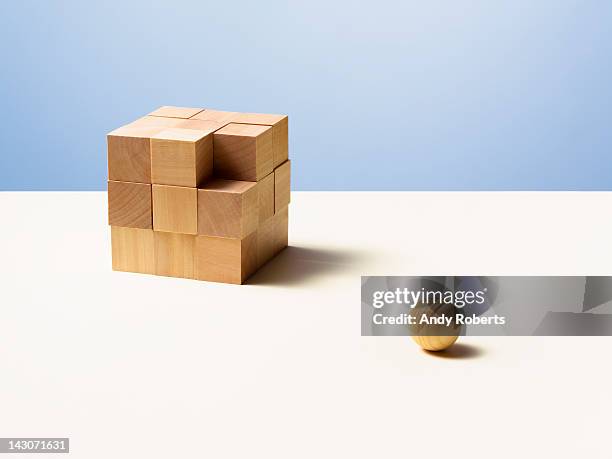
column 243, row 152
column 129, row 153
column 220, row 259
column 280, row 132
column 265, row 192
column 227, row 208
column 272, row 236
column 181, row 157
column 174, row 255
column 175, row 209
column 133, row 250
column 215, row 115
column 129, row 205
column 282, row 186
column 176, row 112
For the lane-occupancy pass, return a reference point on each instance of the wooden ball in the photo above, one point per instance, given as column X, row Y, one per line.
column 435, row 343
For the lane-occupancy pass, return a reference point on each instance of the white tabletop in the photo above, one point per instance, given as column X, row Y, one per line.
column 129, row 365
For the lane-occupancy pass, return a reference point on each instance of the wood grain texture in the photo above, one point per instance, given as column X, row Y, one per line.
column 280, row 132
column 227, row 260
column 175, row 209
column 181, row 157
column 435, row 343
column 272, row 236
column 129, row 153
column 169, row 111
column 156, row 121
column 215, row 115
column 174, row 255
column 227, row 208
column 282, row 186
column 129, row 205
column 133, row 250
column 200, row 125
column 265, row 193
column 243, row 152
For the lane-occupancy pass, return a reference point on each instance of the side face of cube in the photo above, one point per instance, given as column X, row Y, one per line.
column 181, row 157
column 130, row 205
column 282, row 186
column 129, row 154
column 229, row 260
column 265, row 195
column 175, row 255
column 227, row 208
column 243, row 152
column 133, row 249
column 175, row 209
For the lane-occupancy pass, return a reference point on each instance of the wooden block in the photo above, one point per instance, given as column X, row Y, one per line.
column 280, row 132
column 181, row 157
column 272, row 236
column 156, row 121
column 176, row 112
column 227, row 208
column 200, row 125
column 129, row 205
column 129, row 153
column 243, row 152
column 230, row 260
column 174, row 255
column 265, row 192
column 175, row 209
column 215, row 115
column 133, row 250
column 282, row 186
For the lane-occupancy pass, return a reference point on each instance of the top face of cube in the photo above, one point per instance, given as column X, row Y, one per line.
column 215, row 115
column 258, row 118
column 176, row 112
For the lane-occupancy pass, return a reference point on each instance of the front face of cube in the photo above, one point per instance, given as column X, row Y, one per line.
column 197, row 193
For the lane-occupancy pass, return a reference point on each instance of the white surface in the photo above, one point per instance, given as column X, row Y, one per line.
column 135, row 366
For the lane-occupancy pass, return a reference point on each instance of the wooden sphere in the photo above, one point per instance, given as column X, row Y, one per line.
column 435, row 343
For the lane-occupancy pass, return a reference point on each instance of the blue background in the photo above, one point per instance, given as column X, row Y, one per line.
column 429, row 95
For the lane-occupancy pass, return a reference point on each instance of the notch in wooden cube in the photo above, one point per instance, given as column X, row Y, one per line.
column 282, row 186
column 265, row 192
column 181, row 157
column 280, row 132
column 174, row 255
column 129, row 205
column 230, row 260
column 129, row 153
column 243, row 152
column 272, row 236
column 132, row 250
column 169, row 111
column 175, row 209
column 227, row 208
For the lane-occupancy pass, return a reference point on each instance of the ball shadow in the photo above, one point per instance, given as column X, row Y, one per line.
column 458, row 351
